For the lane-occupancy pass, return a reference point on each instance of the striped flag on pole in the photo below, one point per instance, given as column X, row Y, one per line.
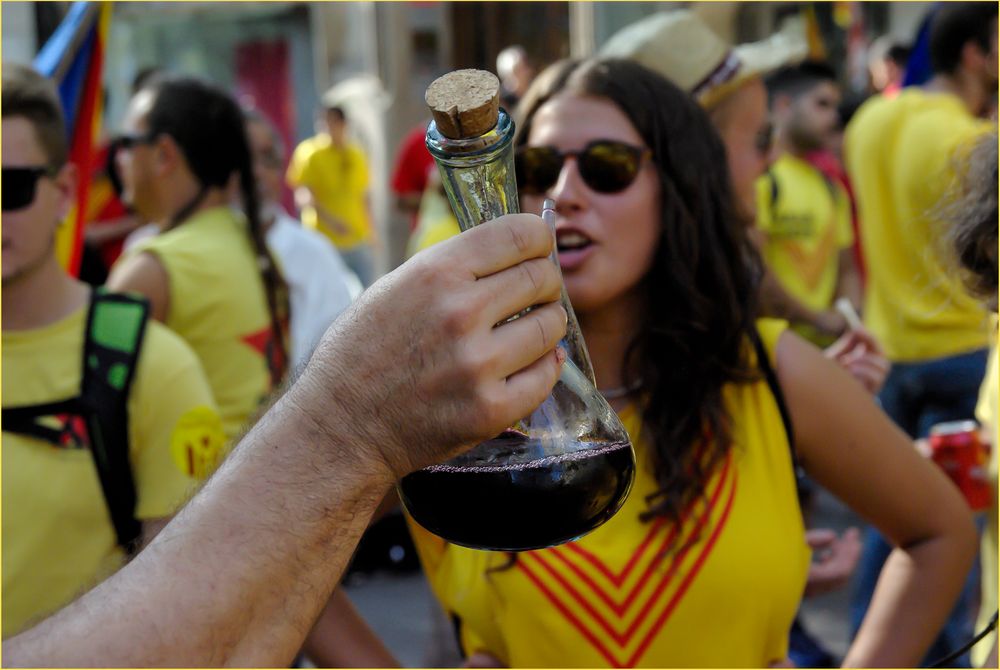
column 74, row 58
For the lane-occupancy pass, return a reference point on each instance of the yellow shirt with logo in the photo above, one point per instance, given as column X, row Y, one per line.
column 719, row 589
column 218, row 305
column 338, row 180
column 58, row 538
column 902, row 154
column 807, row 219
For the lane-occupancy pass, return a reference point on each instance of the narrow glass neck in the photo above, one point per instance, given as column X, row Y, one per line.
column 478, row 172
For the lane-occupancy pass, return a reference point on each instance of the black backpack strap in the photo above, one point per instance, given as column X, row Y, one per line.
column 35, row 421
column 116, row 324
column 764, row 363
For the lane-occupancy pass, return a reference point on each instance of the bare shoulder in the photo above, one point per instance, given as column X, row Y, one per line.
column 144, row 273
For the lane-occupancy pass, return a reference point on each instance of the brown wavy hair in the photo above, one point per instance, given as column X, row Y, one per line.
column 701, row 290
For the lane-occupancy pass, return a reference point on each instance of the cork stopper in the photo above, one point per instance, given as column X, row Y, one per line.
column 464, row 103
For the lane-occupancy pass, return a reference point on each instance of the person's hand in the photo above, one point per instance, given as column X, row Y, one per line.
column 837, row 556
column 858, row 352
column 333, row 223
column 830, row 322
column 417, row 369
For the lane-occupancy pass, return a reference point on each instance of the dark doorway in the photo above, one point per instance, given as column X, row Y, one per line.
column 480, row 30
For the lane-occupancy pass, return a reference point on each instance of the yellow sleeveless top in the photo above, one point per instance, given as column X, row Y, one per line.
column 720, row 589
column 218, row 305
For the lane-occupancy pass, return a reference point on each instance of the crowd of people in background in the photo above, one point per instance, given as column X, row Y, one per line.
column 782, row 286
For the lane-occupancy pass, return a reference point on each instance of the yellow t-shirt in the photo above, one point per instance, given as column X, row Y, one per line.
column 724, row 595
column 808, row 224
column 338, row 179
column 901, row 154
column 58, row 538
column 435, row 222
column 986, row 413
column 218, row 305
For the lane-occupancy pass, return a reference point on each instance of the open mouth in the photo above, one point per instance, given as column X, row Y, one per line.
column 571, row 240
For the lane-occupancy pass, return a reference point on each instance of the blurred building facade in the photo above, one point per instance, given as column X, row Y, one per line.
column 281, row 57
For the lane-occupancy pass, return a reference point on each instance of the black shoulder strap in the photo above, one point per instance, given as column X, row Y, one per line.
column 764, row 363
column 116, row 324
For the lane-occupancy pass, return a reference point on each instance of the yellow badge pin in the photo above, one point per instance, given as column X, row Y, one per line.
column 198, row 442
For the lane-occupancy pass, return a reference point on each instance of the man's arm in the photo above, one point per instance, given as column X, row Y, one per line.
column 414, row 373
column 849, row 279
column 304, row 199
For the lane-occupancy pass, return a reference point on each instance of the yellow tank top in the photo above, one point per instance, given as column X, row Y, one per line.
column 218, row 305
column 719, row 589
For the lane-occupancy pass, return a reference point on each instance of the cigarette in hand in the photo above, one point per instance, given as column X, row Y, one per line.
column 844, row 306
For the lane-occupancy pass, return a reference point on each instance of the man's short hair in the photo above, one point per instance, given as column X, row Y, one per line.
column 898, row 54
column 796, row 80
column 955, row 25
column 28, row 94
column 337, row 111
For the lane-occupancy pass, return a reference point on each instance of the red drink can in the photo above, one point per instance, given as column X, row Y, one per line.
column 957, row 449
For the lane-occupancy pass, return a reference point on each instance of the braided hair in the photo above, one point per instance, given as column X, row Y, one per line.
column 208, row 127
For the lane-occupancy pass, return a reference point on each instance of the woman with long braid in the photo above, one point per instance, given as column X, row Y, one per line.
column 208, row 274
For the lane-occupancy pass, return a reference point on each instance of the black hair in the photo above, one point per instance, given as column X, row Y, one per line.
column 795, row 80
column 28, row 94
column 337, row 111
column 955, row 25
column 848, row 106
column 898, row 54
column 208, row 127
column 146, row 77
column 700, row 292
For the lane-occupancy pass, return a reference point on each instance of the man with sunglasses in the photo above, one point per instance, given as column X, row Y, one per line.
column 803, row 216
column 65, row 524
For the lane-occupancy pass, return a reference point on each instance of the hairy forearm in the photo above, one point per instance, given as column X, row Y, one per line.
column 914, row 595
column 240, row 575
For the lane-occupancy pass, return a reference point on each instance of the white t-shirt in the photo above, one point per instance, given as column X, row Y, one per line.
column 321, row 285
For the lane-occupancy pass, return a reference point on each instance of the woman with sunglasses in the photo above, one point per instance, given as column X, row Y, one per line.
column 208, row 273
column 706, row 562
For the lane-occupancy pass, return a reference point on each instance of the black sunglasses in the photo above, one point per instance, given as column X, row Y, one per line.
column 606, row 166
column 127, row 141
column 19, row 184
column 120, row 143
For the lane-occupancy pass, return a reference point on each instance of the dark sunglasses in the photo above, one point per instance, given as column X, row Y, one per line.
column 121, row 143
column 128, row 141
column 19, row 184
column 605, row 166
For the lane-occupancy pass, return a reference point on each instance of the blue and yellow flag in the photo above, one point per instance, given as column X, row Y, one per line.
column 74, row 58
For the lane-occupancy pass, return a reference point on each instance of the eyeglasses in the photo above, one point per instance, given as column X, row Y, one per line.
column 606, row 166
column 128, row 141
column 120, row 143
column 19, row 185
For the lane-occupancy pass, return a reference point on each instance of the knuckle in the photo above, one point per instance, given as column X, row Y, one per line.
column 519, row 235
column 534, row 275
column 543, row 331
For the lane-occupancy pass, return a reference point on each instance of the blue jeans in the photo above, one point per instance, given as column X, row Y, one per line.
column 916, row 396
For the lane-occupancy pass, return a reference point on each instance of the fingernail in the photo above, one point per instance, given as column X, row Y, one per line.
column 560, row 355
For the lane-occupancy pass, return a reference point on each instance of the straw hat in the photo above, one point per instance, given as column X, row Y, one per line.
column 682, row 48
